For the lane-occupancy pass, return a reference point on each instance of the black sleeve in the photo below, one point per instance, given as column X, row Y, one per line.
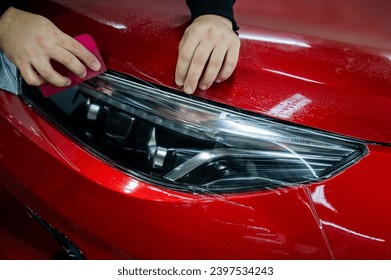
column 222, row 8
column 4, row 5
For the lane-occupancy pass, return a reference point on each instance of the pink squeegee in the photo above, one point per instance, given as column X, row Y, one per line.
column 88, row 42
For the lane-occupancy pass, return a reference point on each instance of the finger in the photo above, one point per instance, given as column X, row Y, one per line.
column 31, row 76
column 200, row 57
column 78, row 50
column 70, row 61
column 45, row 69
column 213, row 68
column 187, row 47
column 229, row 65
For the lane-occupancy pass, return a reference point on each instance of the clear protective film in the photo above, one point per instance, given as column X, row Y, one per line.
column 190, row 145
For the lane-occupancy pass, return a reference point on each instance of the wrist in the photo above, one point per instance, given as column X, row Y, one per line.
column 215, row 18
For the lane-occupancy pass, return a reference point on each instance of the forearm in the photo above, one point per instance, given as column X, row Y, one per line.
column 222, row 8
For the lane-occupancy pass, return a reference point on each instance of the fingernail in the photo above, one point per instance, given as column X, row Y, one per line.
column 96, row 66
column 68, row 83
column 189, row 90
column 179, row 82
column 218, row 81
column 203, row 87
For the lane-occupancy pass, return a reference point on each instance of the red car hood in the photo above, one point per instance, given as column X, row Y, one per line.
column 324, row 64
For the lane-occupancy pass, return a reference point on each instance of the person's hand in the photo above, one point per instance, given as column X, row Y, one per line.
column 209, row 48
column 30, row 41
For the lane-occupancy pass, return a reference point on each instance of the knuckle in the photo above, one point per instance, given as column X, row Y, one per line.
column 214, row 33
column 43, row 42
column 231, row 61
column 217, row 35
column 215, row 63
column 184, row 57
column 230, row 65
column 35, row 82
column 67, row 59
column 225, row 75
column 49, row 29
column 81, row 70
column 198, row 60
column 46, row 74
column 31, row 79
column 75, row 48
column 194, row 31
column 198, row 30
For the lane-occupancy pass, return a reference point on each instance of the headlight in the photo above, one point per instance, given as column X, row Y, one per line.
column 187, row 144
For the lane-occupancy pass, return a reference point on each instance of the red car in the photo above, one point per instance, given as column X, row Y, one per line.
column 288, row 159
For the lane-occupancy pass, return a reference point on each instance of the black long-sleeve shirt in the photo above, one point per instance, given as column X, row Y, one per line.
column 4, row 5
column 198, row 8
column 222, row 8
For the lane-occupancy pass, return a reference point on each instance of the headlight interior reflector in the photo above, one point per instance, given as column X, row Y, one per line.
column 186, row 144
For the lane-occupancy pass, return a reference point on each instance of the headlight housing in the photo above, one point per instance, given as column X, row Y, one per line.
column 187, row 144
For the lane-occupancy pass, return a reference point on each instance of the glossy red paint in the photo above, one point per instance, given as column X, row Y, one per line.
column 111, row 215
column 22, row 237
column 334, row 71
column 291, row 73
column 354, row 208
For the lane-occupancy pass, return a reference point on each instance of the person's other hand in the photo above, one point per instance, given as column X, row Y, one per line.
column 30, row 41
column 209, row 48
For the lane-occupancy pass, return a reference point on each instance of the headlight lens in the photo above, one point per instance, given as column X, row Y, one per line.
column 186, row 144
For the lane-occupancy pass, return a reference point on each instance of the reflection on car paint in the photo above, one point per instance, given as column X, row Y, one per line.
column 293, row 76
column 351, row 232
column 319, row 197
column 286, row 108
column 273, row 39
